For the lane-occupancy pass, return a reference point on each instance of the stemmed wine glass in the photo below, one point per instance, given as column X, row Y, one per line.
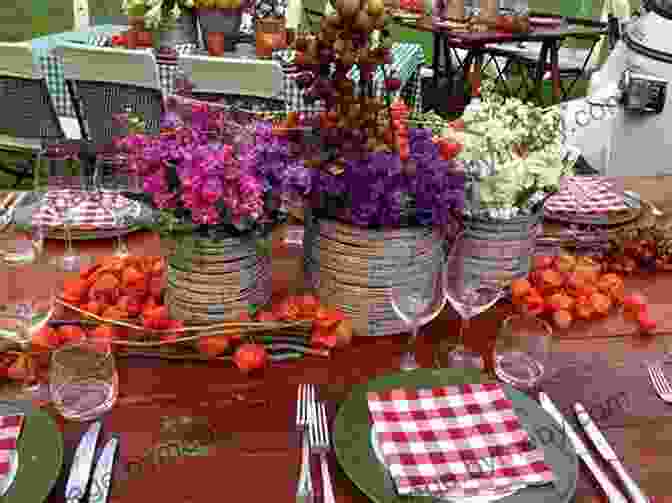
column 470, row 292
column 111, row 185
column 65, row 194
column 418, row 301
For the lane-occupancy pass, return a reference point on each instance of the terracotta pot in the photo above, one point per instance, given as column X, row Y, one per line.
column 132, row 39
column 145, row 38
column 489, row 9
column 216, row 43
column 136, row 25
column 270, row 34
column 226, row 21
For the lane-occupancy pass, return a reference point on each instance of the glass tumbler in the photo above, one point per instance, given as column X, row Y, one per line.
column 18, row 248
column 523, row 349
column 83, row 380
column 27, row 293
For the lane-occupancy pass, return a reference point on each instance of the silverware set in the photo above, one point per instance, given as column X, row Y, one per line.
column 614, row 495
column 660, row 382
column 80, row 472
column 311, row 420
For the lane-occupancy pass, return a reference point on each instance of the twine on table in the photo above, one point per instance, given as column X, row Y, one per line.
column 227, row 328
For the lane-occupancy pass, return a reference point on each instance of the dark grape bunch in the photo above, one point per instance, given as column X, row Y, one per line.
column 354, row 121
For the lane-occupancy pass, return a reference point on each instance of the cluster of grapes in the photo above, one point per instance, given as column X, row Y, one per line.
column 354, row 120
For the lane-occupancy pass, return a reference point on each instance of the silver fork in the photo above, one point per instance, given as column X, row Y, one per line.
column 319, row 440
column 660, row 383
column 304, row 402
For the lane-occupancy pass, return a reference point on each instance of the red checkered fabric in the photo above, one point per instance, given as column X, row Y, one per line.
column 585, row 195
column 10, row 429
column 455, row 441
column 91, row 211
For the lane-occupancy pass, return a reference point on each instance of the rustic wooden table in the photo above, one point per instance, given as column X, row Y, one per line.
column 164, row 405
column 476, row 43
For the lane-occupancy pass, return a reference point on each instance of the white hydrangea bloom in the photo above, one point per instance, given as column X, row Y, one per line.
column 499, row 129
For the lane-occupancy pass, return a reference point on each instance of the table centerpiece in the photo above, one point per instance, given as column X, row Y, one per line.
column 514, row 158
column 161, row 22
column 220, row 22
column 173, row 22
column 270, row 26
column 378, row 190
column 216, row 211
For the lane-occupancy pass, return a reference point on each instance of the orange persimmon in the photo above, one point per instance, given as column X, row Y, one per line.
column 131, row 275
column 71, row 333
column 213, row 346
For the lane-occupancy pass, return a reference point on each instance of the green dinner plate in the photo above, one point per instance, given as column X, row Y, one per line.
column 40, row 454
column 352, row 431
column 89, row 236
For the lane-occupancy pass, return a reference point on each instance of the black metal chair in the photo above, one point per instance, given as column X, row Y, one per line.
column 28, row 122
column 105, row 82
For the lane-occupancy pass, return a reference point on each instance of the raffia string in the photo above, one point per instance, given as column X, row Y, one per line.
column 228, row 328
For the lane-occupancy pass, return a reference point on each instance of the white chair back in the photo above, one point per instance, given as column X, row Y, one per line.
column 28, row 120
column 104, row 82
column 109, row 65
column 28, row 113
column 16, row 60
column 82, row 18
column 243, row 77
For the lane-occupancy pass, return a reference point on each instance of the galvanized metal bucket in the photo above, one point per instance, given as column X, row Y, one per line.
column 502, row 245
column 355, row 268
column 182, row 31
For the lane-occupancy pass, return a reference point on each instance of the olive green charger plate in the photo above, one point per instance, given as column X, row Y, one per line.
column 40, row 454
column 352, row 432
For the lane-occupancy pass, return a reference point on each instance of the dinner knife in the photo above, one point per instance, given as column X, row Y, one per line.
column 102, row 475
column 608, row 453
column 82, row 464
column 613, row 494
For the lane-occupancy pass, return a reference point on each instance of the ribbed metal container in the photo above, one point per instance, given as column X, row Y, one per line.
column 214, row 280
column 183, row 31
column 354, row 269
column 499, row 245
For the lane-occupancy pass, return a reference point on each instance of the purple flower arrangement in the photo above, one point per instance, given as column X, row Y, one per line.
column 200, row 175
column 375, row 188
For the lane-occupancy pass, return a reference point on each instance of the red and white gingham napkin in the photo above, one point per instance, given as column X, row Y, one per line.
column 88, row 213
column 585, row 195
column 455, row 441
column 10, row 429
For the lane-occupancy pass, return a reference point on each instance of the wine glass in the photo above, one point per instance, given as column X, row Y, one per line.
column 111, row 186
column 66, row 203
column 523, row 350
column 27, row 302
column 419, row 300
column 470, row 292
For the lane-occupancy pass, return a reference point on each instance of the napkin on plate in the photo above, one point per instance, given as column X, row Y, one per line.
column 455, row 441
column 586, row 195
column 10, row 429
column 87, row 213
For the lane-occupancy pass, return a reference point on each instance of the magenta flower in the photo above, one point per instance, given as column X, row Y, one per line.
column 212, row 190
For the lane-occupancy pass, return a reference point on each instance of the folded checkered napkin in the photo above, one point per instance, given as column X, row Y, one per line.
column 585, row 195
column 455, row 441
column 88, row 211
column 10, row 429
